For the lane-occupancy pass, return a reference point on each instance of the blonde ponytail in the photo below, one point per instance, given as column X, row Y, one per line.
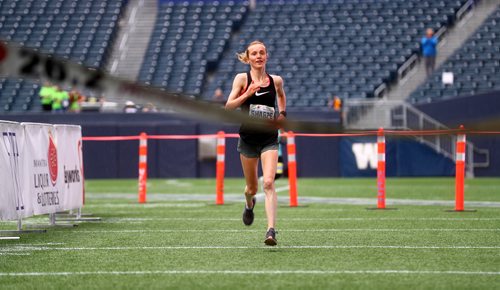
column 243, row 56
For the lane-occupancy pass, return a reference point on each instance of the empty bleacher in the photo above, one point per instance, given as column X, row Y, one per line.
column 334, row 47
column 475, row 66
column 81, row 30
column 321, row 47
column 189, row 38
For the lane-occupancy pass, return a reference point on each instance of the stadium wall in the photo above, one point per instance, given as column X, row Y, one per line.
column 316, row 157
column 481, row 111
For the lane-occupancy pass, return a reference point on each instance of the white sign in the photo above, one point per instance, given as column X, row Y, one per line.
column 41, row 169
column 70, row 165
column 12, row 203
column 447, row 78
column 42, row 179
column 366, row 154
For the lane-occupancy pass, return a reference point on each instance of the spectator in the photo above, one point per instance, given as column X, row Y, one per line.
column 337, row 104
column 46, row 94
column 75, row 98
column 60, row 100
column 149, row 108
column 130, row 107
column 218, row 97
column 429, row 50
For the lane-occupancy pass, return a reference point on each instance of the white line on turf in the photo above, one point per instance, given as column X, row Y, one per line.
column 178, row 183
column 147, row 205
column 281, row 231
column 21, row 248
column 253, row 272
column 299, row 219
column 40, row 244
column 238, row 197
column 14, row 254
column 282, row 188
column 295, row 220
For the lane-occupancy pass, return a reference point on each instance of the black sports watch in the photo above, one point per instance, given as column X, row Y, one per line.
column 283, row 113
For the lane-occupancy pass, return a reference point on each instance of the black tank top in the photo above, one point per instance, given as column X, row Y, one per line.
column 261, row 104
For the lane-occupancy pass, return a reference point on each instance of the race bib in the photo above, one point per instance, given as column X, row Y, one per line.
column 262, row 111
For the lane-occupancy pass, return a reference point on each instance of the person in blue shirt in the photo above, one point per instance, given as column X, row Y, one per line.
column 429, row 50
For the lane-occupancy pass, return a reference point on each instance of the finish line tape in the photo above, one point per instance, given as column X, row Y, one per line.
column 21, row 62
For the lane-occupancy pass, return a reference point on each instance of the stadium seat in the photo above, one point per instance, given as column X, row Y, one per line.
column 356, row 45
column 79, row 30
column 342, row 47
column 197, row 44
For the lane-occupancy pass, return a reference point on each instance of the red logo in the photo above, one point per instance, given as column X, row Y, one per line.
column 52, row 157
column 3, row 52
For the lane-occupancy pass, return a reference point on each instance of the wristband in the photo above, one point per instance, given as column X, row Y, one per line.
column 283, row 113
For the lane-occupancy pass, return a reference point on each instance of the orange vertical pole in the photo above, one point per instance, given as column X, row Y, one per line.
column 292, row 168
column 220, row 168
column 460, row 171
column 380, row 169
column 143, row 166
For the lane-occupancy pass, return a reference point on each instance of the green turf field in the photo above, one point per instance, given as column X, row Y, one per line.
column 181, row 240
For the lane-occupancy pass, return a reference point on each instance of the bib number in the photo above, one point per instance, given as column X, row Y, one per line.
column 261, row 111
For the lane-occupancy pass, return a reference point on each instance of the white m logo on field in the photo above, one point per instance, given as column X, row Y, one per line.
column 365, row 153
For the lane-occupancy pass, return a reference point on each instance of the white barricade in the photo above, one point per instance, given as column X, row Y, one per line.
column 69, row 148
column 12, row 204
column 41, row 169
column 42, row 178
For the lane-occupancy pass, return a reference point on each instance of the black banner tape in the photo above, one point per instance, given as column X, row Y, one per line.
column 21, row 62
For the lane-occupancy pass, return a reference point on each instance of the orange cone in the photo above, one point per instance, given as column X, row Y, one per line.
column 220, row 168
column 143, row 166
column 292, row 169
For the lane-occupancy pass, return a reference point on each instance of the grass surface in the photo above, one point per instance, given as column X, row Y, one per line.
column 477, row 189
column 167, row 244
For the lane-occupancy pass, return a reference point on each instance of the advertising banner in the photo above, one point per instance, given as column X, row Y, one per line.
column 358, row 156
column 405, row 157
column 41, row 169
column 12, row 203
column 70, row 165
column 43, row 183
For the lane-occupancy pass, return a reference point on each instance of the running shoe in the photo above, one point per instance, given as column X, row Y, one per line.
column 271, row 238
column 248, row 213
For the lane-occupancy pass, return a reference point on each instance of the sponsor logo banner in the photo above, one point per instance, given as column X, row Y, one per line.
column 358, row 156
column 42, row 179
column 12, row 203
column 41, row 169
column 70, row 167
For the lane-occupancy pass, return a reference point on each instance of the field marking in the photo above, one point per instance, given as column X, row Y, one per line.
column 232, row 219
column 238, row 197
column 253, row 272
column 147, row 205
column 203, row 219
column 14, row 254
column 40, row 244
column 303, row 247
column 392, row 201
column 9, row 238
column 282, row 188
column 178, row 183
column 282, row 231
